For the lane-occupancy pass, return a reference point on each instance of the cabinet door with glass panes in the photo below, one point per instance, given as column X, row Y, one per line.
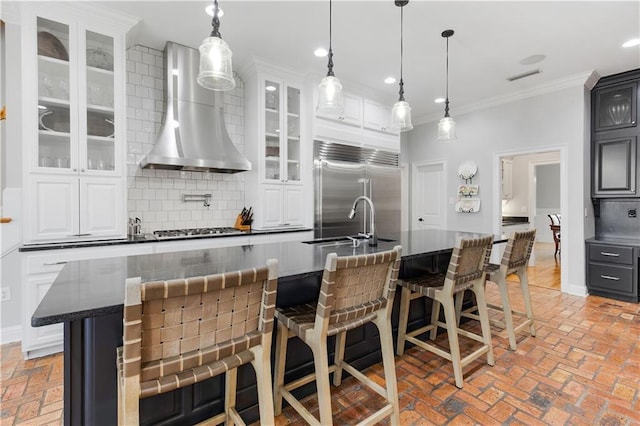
column 282, row 132
column 76, row 120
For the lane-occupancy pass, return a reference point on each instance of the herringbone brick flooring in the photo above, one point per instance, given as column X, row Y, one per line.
column 582, row 368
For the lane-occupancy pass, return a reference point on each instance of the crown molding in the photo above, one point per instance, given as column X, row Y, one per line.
column 588, row 79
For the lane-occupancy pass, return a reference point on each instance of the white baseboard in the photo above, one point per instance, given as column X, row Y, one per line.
column 10, row 334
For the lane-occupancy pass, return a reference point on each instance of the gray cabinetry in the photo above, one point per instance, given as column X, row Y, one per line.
column 612, row 271
column 614, row 136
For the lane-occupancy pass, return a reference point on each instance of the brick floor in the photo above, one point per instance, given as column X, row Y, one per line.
column 583, row 368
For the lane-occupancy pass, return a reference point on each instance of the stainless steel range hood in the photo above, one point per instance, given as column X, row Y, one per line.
column 193, row 135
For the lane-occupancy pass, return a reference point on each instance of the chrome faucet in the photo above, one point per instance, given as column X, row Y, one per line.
column 373, row 238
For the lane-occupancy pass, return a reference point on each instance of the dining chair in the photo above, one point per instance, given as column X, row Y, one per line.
column 355, row 290
column 184, row 331
column 555, row 230
column 466, row 271
column 515, row 260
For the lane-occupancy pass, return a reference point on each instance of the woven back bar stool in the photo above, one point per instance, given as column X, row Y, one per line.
column 515, row 260
column 466, row 271
column 183, row 331
column 355, row 290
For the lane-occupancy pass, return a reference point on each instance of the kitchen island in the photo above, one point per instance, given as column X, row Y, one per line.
column 88, row 298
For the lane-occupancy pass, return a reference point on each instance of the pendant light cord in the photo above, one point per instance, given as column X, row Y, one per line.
column 446, row 102
column 215, row 22
column 401, row 52
column 330, row 64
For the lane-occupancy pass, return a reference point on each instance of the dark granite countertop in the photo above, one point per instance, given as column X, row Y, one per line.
column 93, row 288
column 148, row 238
column 616, row 239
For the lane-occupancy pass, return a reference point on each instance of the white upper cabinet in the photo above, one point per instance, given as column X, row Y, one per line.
column 363, row 123
column 74, row 121
column 377, row 117
column 279, row 186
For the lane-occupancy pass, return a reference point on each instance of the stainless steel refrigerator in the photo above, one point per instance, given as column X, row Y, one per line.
column 341, row 174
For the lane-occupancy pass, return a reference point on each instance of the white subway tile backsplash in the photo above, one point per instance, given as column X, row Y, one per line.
column 156, row 195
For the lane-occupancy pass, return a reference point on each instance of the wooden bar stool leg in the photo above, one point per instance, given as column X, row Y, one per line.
column 262, row 365
column 435, row 317
column 506, row 308
column 405, row 300
column 454, row 344
column 231, row 380
column 321, row 362
column 388, row 363
column 524, row 284
column 483, row 313
column 278, row 373
column 459, row 300
column 338, row 357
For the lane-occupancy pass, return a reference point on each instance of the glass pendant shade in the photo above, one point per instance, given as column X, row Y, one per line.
column 216, row 72
column 330, row 96
column 401, row 116
column 446, row 129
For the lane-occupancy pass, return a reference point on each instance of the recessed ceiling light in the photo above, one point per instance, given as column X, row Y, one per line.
column 320, row 52
column 270, row 88
column 390, row 80
column 632, row 42
column 439, row 100
column 209, row 10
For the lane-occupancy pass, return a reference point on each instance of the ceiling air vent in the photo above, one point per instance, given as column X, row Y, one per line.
column 523, row 75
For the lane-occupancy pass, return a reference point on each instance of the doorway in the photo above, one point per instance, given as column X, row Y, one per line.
column 428, row 185
column 532, row 188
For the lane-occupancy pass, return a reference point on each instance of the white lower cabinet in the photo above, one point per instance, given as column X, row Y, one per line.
column 40, row 269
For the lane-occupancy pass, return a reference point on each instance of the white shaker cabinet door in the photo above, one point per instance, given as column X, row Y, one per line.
column 272, row 205
column 293, row 206
column 101, row 207
column 54, row 212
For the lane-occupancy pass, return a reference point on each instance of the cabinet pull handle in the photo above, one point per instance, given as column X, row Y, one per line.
column 609, row 277
column 606, row 253
column 78, row 235
column 54, row 263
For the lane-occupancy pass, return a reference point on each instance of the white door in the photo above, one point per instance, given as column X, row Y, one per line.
column 429, row 198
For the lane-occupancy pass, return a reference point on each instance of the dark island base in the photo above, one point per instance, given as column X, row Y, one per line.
column 90, row 396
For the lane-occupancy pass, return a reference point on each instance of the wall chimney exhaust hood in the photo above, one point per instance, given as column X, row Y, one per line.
column 193, row 136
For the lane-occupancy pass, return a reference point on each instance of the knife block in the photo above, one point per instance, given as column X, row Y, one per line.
column 240, row 226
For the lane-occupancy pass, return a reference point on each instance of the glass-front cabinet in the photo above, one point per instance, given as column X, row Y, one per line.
column 615, row 107
column 74, row 122
column 281, row 132
column 76, row 105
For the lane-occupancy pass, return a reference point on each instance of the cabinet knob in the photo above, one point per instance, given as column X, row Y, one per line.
column 75, row 170
column 82, row 170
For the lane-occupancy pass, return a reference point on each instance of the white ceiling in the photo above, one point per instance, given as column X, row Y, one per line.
column 491, row 38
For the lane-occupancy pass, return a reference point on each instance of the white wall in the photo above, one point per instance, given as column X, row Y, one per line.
column 551, row 121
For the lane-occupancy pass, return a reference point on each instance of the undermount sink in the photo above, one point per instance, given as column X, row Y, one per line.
column 339, row 241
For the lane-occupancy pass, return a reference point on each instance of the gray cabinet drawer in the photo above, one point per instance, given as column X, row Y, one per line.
column 617, row 279
column 611, row 254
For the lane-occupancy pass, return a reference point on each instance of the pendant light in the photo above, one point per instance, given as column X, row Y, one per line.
column 216, row 72
column 330, row 89
column 401, row 111
column 446, row 126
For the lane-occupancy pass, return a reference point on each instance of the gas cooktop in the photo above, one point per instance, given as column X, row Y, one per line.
column 194, row 233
